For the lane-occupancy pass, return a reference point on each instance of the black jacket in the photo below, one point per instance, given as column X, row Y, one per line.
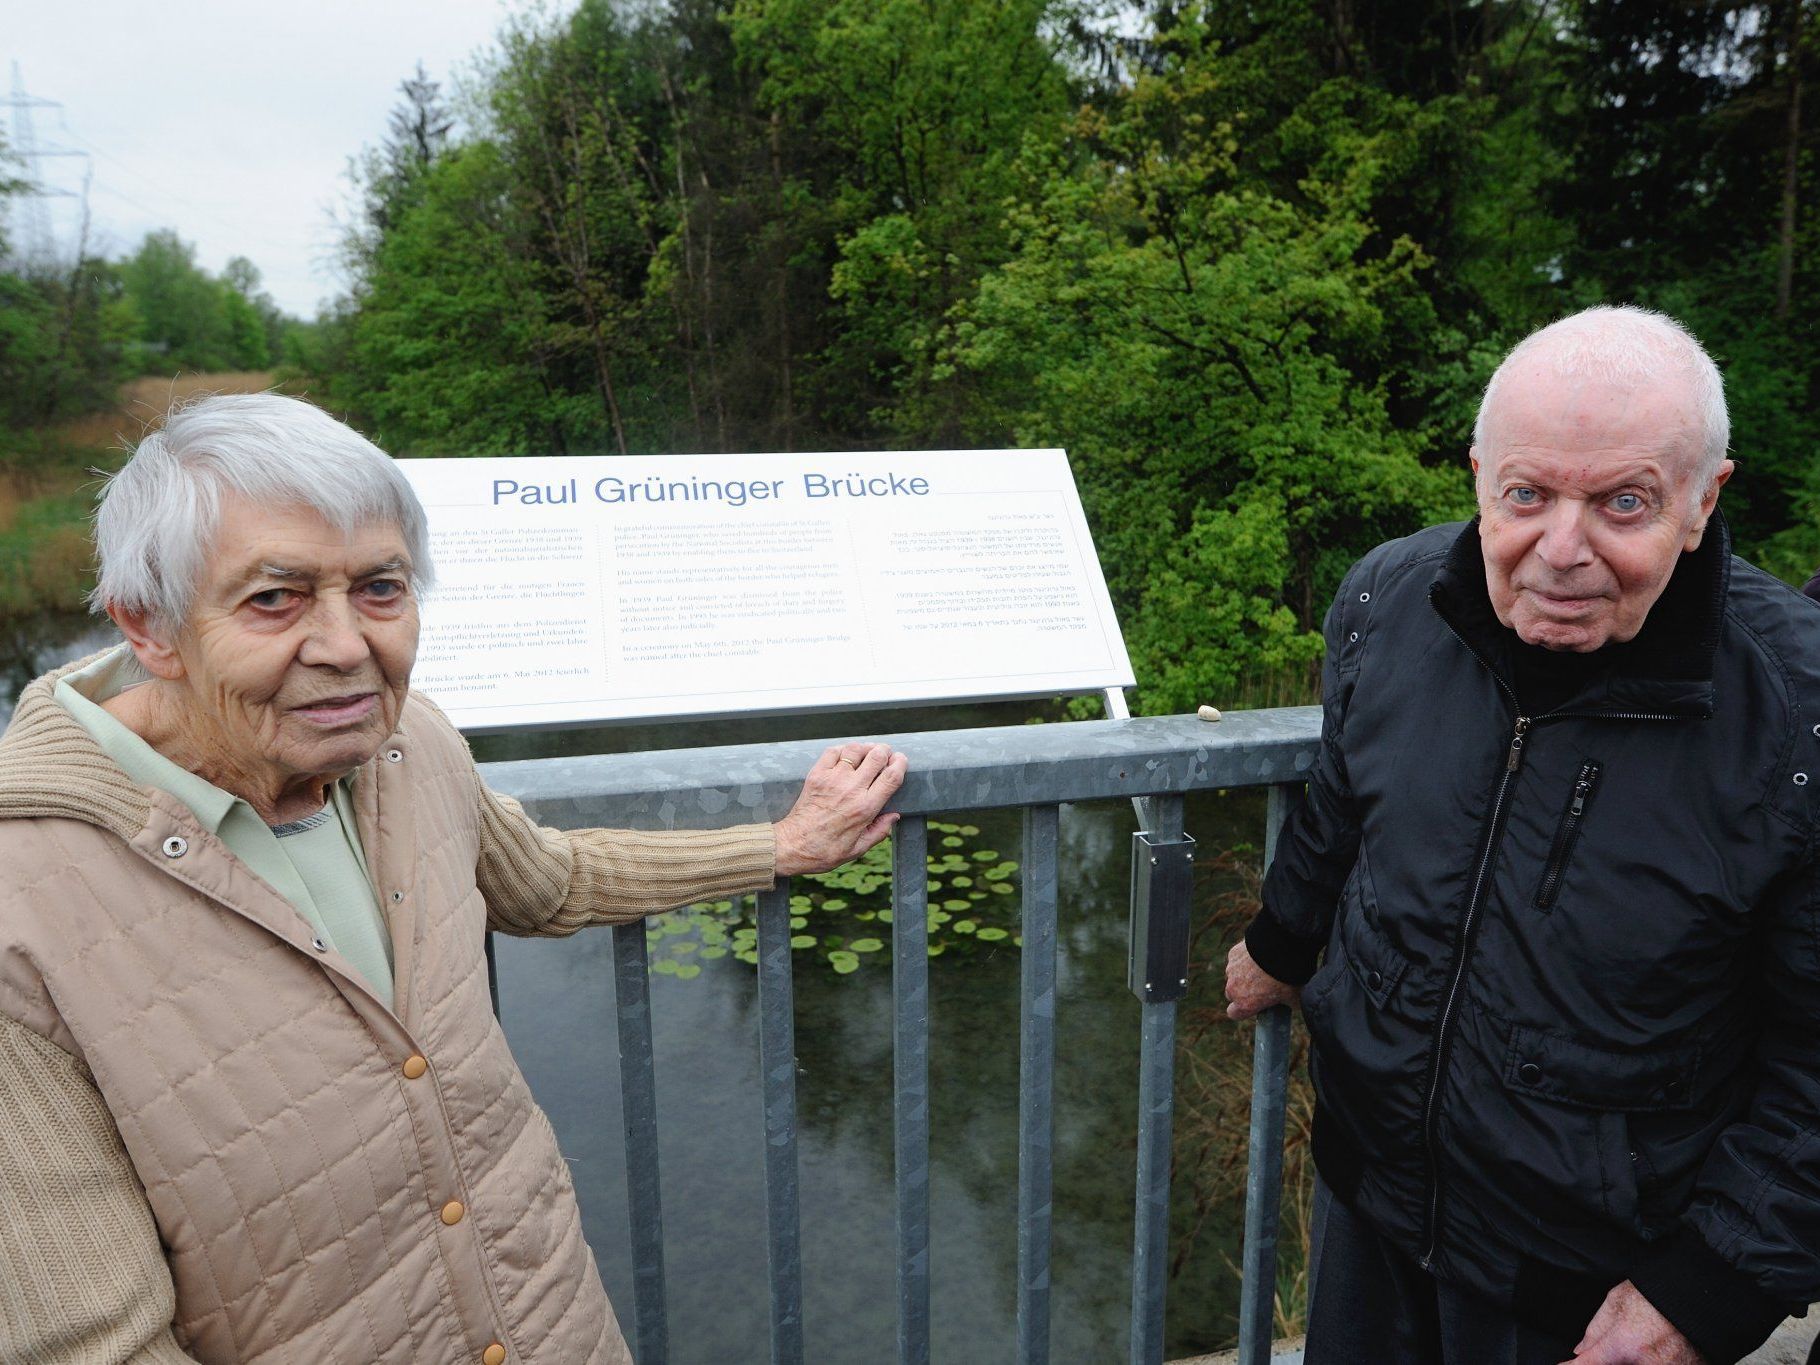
column 1567, row 1026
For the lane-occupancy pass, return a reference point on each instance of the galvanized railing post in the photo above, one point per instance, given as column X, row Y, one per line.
column 777, row 1063
column 638, row 1095
column 910, row 1081
column 1156, row 1114
column 1264, row 1169
column 1036, row 1083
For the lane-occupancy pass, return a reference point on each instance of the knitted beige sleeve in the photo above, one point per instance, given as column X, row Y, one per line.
column 552, row 882
column 83, row 1277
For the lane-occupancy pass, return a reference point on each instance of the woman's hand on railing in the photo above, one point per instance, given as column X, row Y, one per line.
column 1250, row 990
column 837, row 815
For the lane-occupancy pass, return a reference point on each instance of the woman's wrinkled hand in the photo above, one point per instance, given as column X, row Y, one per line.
column 840, row 812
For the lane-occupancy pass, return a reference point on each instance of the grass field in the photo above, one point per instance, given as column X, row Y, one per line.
column 48, row 481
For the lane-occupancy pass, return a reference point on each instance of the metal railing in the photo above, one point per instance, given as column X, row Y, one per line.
column 1037, row 768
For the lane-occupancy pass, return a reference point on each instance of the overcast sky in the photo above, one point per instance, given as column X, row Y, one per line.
column 231, row 121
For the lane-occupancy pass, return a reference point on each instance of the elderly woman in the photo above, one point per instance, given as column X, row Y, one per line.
column 256, row 1106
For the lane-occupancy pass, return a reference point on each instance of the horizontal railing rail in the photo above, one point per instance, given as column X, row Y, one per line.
column 1037, row 768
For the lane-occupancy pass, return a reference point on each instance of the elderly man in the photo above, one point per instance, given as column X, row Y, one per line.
column 256, row 1107
column 1559, row 853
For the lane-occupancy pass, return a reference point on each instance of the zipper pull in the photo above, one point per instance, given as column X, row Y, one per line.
column 1515, row 760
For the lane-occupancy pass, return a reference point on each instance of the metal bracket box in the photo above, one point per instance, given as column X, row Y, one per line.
column 1162, row 888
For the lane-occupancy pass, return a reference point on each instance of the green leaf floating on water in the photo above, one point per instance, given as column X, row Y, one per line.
column 687, row 970
column 713, row 952
column 798, row 921
column 866, row 945
column 802, row 940
column 665, row 967
column 843, row 962
column 964, row 926
column 952, row 842
column 992, row 934
column 834, row 905
column 985, row 855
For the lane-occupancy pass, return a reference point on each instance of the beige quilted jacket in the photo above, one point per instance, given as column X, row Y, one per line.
column 183, row 1071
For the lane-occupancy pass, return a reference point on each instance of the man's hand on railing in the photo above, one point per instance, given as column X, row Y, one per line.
column 837, row 816
column 1250, row 990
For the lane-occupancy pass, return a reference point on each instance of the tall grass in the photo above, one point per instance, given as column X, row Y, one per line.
column 1213, row 1099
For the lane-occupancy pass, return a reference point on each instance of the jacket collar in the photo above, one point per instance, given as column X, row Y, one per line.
column 51, row 766
column 1666, row 670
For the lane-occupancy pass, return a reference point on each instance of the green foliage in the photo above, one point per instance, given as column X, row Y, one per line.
column 1251, row 267
column 844, row 918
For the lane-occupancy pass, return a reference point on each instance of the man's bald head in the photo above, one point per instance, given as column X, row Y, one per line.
column 1622, row 348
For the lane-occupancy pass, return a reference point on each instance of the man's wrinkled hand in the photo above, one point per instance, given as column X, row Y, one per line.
column 838, row 815
column 1628, row 1330
column 1250, row 990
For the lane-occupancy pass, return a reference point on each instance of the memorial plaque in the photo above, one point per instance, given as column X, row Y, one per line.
column 578, row 590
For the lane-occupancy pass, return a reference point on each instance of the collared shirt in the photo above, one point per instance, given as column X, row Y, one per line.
column 317, row 863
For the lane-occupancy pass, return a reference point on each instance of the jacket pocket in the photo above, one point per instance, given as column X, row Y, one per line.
column 1378, row 966
column 1553, row 1067
column 1567, row 834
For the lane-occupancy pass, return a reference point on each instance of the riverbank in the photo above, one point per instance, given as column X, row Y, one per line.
column 48, row 479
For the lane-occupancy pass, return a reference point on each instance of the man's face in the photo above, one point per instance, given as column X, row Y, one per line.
column 298, row 651
column 1586, row 502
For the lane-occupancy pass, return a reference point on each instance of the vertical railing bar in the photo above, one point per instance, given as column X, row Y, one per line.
column 1036, row 1084
column 1156, row 1122
column 638, row 1093
column 777, row 1064
column 1264, row 1167
column 910, row 1092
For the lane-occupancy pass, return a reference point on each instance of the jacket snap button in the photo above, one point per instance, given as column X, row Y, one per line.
column 1376, row 980
column 415, row 1066
column 452, row 1211
column 397, row 896
column 393, row 756
column 493, row 1355
column 1354, row 636
column 1529, row 1073
column 1800, row 779
column 1364, row 597
column 319, row 945
column 176, row 846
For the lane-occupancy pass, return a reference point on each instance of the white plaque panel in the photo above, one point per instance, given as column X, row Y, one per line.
column 583, row 589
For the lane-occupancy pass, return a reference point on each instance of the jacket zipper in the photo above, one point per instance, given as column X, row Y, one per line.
column 1437, row 1064
column 1566, row 834
column 1437, row 1061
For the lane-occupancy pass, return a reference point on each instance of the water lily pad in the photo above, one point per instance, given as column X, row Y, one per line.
column 952, row 842
column 866, row 945
column 664, row 967
column 803, row 940
column 992, row 934
column 713, row 952
column 985, row 855
column 955, row 905
column 961, row 882
column 884, row 917
column 970, row 831
column 964, row 926
column 687, row 971
column 834, row 904
column 844, row 962
column 798, row 921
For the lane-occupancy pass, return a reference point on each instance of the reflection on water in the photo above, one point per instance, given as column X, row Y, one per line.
column 557, row 1002
column 30, row 645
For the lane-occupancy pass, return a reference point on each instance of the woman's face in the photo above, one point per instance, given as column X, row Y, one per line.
column 297, row 653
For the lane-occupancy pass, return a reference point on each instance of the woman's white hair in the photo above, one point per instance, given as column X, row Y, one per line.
column 1632, row 347
column 156, row 524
